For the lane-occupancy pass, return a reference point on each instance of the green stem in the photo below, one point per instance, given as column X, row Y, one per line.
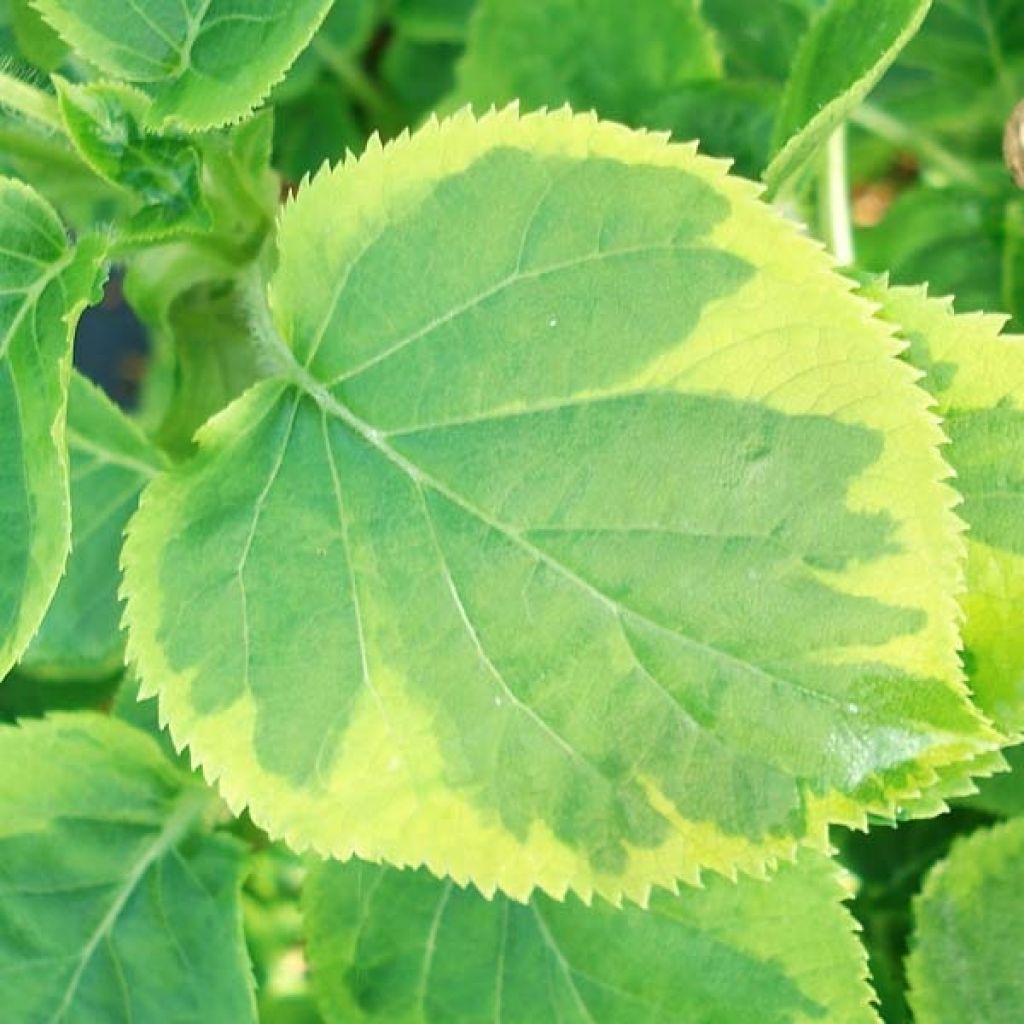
column 357, row 81
column 834, row 219
column 899, row 133
column 29, row 101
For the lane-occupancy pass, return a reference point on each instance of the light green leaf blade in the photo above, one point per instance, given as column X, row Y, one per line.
column 162, row 173
column 44, row 285
column 585, row 53
column 547, row 391
column 966, row 960
column 977, row 378
column 118, row 904
column 111, row 460
column 847, row 50
column 203, row 62
column 407, row 948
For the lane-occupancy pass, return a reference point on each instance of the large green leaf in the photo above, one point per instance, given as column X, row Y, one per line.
column 110, row 462
column 203, row 62
column 966, row 962
column 849, row 47
column 584, row 52
column 977, row 378
column 403, row 947
column 117, row 903
column 44, row 285
column 589, row 533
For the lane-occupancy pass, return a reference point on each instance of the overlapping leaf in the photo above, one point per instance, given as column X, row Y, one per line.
column 44, row 284
column 406, row 948
column 848, row 49
column 203, row 62
column 110, row 462
column 117, row 904
column 966, row 961
column 977, row 378
column 588, row 536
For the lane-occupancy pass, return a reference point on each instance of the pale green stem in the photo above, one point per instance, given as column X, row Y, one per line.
column 29, row 101
column 899, row 133
column 834, row 218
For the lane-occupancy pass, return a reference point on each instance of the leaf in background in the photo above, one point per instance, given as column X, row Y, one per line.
column 204, row 63
column 432, row 21
column 1003, row 794
column 889, row 863
column 584, row 52
column 528, row 452
column 849, row 47
column 977, row 378
column 759, row 41
column 117, row 903
column 36, row 41
column 45, row 283
column 960, row 241
column 403, row 947
column 162, row 172
column 966, row 960
column 419, row 75
column 319, row 126
column 111, row 460
column 961, row 76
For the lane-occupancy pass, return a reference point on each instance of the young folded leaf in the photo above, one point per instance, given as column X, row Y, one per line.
column 45, row 282
column 203, row 62
column 850, row 46
column 161, row 173
column 118, row 903
column 977, row 378
column 403, row 947
column 589, row 534
column 966, row 958
column 111, row 460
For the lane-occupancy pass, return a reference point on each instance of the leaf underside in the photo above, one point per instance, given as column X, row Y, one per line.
column 403, row 947
column 80, row 637
column 590, row 535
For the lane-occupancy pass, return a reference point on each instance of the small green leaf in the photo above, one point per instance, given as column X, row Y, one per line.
column 591, row 56
column 403, row 947
column 110, row 462
column 849, row 47
column 510, row 542
column 977, row 378
column 203, row 62
column 117, row 902
column 162, row 172
column 966, row 960
column 45, row 283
